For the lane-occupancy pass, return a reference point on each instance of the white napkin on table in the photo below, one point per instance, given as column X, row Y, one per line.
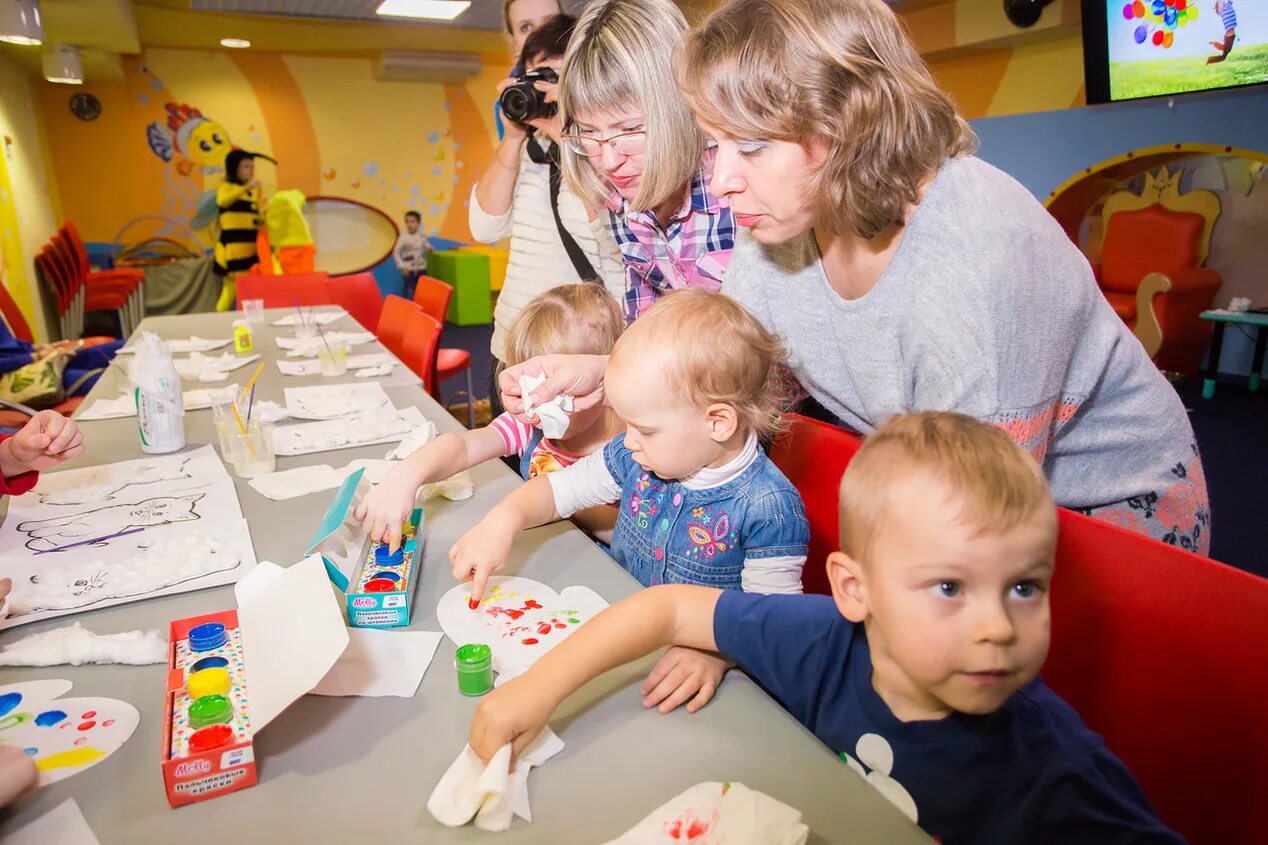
column 76, row 645
column 211, row 368
column 494, row 794
column 416, row 439
column 714, row 813
column 373, row 372
column 553, row 414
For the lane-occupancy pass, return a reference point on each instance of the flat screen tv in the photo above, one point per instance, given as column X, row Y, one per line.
column 1154, row 48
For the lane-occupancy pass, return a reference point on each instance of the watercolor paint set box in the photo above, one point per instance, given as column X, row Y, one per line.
column 377, row 583
column 229, row 674
column 207, row 738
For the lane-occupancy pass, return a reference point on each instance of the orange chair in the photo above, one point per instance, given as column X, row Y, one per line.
column 285, row 291
column 394, row 322
column 433, row 295
column 130, row 279
column 813, row 455
column 422, row 339
column 1150, row 269
column 359, row 295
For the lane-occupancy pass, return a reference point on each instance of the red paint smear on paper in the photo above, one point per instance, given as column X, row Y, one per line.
column 474, row 604
column 687, row 828
column 531, row 604
column 529, row 641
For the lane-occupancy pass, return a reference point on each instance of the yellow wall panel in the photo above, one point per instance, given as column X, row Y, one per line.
column 1042, row 77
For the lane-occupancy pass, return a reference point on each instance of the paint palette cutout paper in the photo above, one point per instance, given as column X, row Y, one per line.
column 519, row 619
column 64, row 735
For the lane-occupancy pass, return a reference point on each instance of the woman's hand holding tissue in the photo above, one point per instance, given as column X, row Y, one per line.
column 578, row 376
column 682, row 674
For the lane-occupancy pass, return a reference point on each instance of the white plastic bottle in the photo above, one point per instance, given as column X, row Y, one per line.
column 156, row 388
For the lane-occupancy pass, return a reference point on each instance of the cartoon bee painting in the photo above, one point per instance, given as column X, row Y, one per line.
column 200, row 142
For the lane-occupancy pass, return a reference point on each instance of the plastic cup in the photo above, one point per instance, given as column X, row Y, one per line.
column 222, row 399
column 306, row 325
column 333, row 358
column 252, row 453
column 475, row 668
column 253, row 310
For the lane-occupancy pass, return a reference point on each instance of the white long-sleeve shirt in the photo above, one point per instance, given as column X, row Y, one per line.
column 538, row 260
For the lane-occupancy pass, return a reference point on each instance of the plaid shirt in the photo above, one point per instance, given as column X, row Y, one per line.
column 691, row 252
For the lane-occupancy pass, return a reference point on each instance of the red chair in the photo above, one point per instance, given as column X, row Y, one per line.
column 359, row 295
column 131, row 280
column 422, row 339
column 433, row 295
column 285, row 291
column 813, row 455
column 1163, row 653
column 394, row 322
column 13, row 316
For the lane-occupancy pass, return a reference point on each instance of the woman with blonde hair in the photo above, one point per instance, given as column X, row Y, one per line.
column 907, row 275
column 630, row 144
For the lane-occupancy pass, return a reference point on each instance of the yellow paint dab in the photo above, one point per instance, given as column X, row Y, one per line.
column 70, row 759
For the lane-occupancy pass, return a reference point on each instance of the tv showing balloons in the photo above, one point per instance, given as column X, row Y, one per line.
column 1152, row 48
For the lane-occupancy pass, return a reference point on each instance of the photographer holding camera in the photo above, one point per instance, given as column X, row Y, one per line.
column 554, row 239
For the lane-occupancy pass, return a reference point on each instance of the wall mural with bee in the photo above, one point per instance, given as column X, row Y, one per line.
column 150, row 161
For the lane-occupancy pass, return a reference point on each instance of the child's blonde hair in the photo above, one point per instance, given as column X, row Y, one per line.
column 997, row 484
column 841, row 72
column 619, row 58
column 576, row 319
column 717, row 353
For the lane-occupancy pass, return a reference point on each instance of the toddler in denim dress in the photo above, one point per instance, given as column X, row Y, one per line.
column 696, row 380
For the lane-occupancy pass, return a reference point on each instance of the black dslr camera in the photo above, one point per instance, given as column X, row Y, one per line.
column 522, row 102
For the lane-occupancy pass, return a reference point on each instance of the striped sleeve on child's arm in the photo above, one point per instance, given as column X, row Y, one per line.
column 516, row 435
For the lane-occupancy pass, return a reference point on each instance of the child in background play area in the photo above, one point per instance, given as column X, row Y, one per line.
column 923, row 663
column 410, row 253
column 580, row 319
column 697, row 382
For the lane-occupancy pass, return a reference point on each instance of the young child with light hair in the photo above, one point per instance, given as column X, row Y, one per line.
column 697, row 382
column 577, row 319
column 921, row 669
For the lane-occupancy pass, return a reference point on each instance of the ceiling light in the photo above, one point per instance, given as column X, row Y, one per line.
column 435, row 10
column 235, row 43
column 20, row 22
column 62, row 64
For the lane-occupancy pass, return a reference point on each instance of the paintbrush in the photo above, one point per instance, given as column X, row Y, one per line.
column 250, row 385
column 93, row 540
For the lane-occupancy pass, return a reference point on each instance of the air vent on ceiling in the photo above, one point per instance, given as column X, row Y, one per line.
column 402, row 66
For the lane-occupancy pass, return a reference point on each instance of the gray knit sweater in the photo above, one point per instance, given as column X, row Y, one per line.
column 988, row 309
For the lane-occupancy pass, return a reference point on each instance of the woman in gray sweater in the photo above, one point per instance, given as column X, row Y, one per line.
column 906, row 275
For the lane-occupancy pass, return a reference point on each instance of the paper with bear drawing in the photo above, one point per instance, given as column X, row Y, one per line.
column 100, row 536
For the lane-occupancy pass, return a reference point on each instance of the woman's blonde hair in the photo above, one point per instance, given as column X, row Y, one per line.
column 842, row 73
column 717, row 352
column 620, row 57
column 576, row 319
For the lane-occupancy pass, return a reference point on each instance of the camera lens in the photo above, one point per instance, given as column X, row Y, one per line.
column 517, row 104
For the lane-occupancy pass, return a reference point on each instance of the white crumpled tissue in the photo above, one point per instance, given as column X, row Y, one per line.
column 494, row 794
column 76, row 645
column 552, row 415
column 713, row 813
column 416, row 439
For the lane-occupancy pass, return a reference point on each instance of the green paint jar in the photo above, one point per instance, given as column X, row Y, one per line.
column 210, row 710
column 475, row 668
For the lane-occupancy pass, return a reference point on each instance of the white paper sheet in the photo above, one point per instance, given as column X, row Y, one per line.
column 125, row 405
column 330, row 401
column 321, row 318
column 292, row 626
column 331, row 435
column 211, row 368
column 379, row 663
column 306, row 347
column 309, row 367
column 63, row 825
column 719, row 814
column 187, row 533
column 374, row 372
column 178, row 346
column 370, row 359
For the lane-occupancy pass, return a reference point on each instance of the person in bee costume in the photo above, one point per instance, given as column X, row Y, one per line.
column 239, row 200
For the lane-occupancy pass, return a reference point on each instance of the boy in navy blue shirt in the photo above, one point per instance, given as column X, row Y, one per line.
column 921, row 669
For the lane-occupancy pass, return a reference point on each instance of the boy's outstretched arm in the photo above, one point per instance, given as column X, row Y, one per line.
column 483, row 550
column 650, row 619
